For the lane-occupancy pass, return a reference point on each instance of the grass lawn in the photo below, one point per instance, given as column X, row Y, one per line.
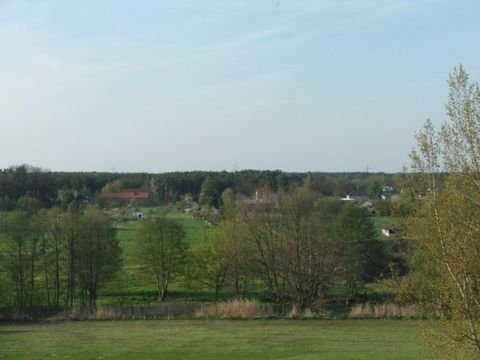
column 128, row 286
column 209, row 339
column 382, row 221
column 194, row 228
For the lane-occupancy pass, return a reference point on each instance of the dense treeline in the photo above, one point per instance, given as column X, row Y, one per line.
column 61, row 188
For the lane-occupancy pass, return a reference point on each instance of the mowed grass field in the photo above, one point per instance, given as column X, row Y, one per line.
column 214, row 339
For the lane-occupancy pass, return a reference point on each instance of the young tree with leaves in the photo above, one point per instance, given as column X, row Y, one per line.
column 446, row 226
column 361, row 250
column 208, row 264
column 99, row 254
column 21, row 254
column 161, row 250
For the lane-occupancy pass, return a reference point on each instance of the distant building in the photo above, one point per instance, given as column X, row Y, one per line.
column 263, row 196
column 355, row 197
column 386, row 188
column 126, row 195
column 387, row 191
column 263, row 193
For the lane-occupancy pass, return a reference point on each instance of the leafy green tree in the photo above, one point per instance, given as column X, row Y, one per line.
column 29, row 205
column 446, row 225
column 99, row 254
column 38, row 275
column 229, row 204
column 208, row 262
column 362, row 251
column 210, row 192
column 65, row 197
column 383, row 207
column 239, row 255
column 19, row 249
column 6, row 204
column 6, row 286
column 374, row 189
column 24, row 234
column 55, row 254
column 113, row 186
column 320, row 183
column 161, row 250
column 238, row 250
column 70, row 230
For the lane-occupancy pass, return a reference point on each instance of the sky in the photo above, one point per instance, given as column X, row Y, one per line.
column 174, row 85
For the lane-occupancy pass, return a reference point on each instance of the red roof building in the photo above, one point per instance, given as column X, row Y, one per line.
column 126, row 194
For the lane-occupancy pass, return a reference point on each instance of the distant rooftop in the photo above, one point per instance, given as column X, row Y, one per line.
column 126, row 194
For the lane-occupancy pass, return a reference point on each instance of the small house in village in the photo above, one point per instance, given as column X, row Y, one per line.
column 387, row 192
column 126, row 195
column 355, row 197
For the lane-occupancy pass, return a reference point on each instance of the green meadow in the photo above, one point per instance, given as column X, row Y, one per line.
column 214, row 339
column 129, row 286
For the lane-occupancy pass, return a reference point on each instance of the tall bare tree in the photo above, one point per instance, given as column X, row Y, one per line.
column 295, row 254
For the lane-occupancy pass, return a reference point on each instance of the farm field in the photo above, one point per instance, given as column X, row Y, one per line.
column 210, row 339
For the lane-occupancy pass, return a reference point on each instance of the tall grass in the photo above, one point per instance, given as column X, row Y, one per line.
column 156, row 311
column 233, row 309
column 296, row 313
column 237, row 308
column 384, row 311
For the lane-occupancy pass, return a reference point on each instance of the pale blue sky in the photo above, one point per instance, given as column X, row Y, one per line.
column 215, row 85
